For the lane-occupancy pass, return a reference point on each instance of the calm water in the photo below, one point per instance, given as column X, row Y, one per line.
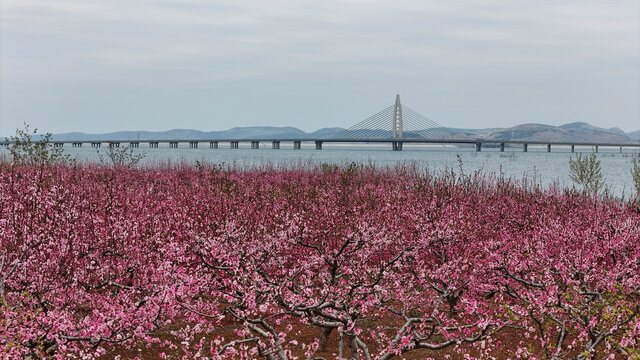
column 548, row 168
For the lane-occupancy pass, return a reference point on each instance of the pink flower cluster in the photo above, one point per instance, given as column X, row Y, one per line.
column 212, row 263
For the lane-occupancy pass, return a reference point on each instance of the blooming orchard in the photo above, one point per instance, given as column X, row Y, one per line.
column 373, row 264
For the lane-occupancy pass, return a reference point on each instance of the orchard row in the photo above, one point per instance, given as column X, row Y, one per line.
column 331, row 262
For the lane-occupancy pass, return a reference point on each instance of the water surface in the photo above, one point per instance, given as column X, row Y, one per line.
column 547, row 168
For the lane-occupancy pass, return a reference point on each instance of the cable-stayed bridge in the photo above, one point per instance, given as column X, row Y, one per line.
column 396, row 124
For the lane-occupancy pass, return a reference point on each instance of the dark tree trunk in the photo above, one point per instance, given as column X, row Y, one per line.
column 324, row 339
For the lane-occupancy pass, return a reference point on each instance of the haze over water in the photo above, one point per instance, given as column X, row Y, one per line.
column 547, row 168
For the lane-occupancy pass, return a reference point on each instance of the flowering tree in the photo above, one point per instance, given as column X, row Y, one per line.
column 339, row 263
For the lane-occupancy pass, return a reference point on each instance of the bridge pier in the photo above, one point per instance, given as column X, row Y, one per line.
column 213, row 144
column 620, row 149
column 548, row 147
column 114, row 144
column 478, row 146
column 193, row 144
column 297, row 145
column 573, row 148
column 233, row 144
column 501, row 147
column 318, row 145
column 596, row 148
column 396, row 145
column 153, row 144
column 95, row 144
column 275, row 144
column 134, row 144
column 525, row 147
column 77, row 144
column 173, row 144
column 58, row 144
column 255, row 144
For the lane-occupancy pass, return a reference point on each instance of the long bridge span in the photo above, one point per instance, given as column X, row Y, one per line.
column 395, row 125
column 297, row 143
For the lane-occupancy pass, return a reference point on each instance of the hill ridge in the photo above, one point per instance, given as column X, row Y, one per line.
column 576, row 131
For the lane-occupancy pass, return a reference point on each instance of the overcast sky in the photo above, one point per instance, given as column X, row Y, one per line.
column 108, row 65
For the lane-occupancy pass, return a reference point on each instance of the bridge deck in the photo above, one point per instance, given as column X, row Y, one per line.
column 313, row 140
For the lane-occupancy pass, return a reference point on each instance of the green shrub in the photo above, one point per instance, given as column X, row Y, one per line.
column 585, row 171
column 120, row 156
column 26, row 150
column 635, row 174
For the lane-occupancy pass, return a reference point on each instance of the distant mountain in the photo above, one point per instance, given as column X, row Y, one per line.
column 577, row 131
column 250, row 132
column 254, row 132
column 583, row 126
column 327, row 132
column 129, row 135
column 634, row 135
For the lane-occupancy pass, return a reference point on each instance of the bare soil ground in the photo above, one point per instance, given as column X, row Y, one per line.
column 507, row 340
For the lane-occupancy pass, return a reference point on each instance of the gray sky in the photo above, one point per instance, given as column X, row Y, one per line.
column 109, row 65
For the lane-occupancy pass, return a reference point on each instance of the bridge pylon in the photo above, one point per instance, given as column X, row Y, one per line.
column 396, row 123
column 397, row 119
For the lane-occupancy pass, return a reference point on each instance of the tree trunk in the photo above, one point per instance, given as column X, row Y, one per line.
column 324, row 339
column 353, row 347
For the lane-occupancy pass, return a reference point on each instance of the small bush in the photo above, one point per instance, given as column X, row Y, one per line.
column 120, row 157
column 585, row 171
column 635, row 174
column 25, row 150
